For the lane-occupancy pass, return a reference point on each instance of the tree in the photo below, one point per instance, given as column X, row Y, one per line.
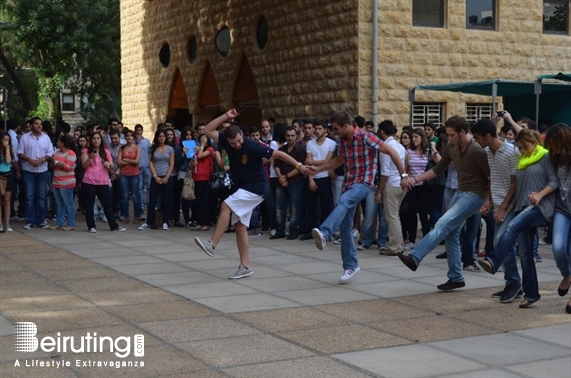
column 71, row 42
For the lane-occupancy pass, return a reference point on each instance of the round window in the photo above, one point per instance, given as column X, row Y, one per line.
column 192, row 49
column 165, row 55
column 223, row 41
column 262, row 33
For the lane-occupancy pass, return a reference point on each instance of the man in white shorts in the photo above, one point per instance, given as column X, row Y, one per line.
column 247, row 169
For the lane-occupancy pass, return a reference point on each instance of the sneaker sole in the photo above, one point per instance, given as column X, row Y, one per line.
column 202, row 246
column 241, row 276
column 508, row 300
column 317, row 237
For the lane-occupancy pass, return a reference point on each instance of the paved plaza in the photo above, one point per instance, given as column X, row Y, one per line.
column 290, row 319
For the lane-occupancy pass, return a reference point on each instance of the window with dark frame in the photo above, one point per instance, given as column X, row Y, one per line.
column 223, row 41
column 555, row 17
column 192, row 49
column 423, row 112
column 262, row 33
column 165, row 55
column 481, row 14
column 428, row 13
column 68, row 102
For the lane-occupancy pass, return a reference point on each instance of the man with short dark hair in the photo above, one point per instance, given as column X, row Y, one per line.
column 35, row 150
column 429, row 129
column 247, row 168
column 265, row 132
column 358, row 151
column 114, row 148
column 145, row 177
column 473, row 171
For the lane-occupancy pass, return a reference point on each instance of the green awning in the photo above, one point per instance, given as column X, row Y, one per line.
column 504, row 87
column 560, row 76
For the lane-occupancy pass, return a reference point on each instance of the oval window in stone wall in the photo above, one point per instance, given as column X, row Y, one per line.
column 165, row 55
column 262, row 33
column 192, row 49
column 223, row 41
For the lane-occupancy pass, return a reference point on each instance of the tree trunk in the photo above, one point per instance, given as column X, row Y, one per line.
column 16, row 80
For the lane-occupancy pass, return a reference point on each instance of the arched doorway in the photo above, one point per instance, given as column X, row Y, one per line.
column 209, row 97
column 246, row 96
column 178, row 104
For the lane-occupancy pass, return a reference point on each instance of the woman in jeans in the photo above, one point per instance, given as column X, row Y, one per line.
column 201, row 175
column 558, row 141
column 63, row 164
column 97, row 162
column 161, row 164
column 534, row 204
column 128, row 162
column 177, row 188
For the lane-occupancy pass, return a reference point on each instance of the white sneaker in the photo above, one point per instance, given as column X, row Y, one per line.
column 93, row 230
column 206, row 247
column 320, row 240
column 409, row 246
column 45, row 226
column 337, row 241
column 348, row 274
column 1, row 228
column 355, row 233
column 120, row 229
column 144, row 226
column 241, row 273
column 28, row 226
column 9, row 229
column 165, row 226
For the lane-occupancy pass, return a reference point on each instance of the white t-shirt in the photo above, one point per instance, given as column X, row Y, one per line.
column 320, row 152
column 388, row 167
column 273, row 146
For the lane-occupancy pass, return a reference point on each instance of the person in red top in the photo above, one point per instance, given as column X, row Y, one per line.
column 63, row 163
column 202, row 170
column 128, row 162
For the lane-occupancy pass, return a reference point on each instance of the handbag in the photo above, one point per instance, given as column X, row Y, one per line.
column 439, row 181
column 219, row 180
column 157, row 220
column 188, row 189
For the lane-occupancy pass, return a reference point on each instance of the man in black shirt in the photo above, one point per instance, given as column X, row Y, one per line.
column 247, row 169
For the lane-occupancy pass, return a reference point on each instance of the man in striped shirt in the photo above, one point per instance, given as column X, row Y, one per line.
column 503, row 158
column 358, row 151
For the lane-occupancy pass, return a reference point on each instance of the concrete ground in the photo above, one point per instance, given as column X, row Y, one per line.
column 290, row 319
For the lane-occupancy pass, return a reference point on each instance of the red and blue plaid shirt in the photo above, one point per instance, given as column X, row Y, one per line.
column 360, row 158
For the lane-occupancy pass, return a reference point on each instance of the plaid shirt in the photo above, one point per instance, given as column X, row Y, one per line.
column 360, row 158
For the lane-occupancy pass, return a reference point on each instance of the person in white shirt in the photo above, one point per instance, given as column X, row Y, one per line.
column 318, row 152
column 35, row 151
column 389, row 191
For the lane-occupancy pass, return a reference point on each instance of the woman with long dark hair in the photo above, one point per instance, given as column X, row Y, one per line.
column 63, row 164
column 202, row 169
column 98, row 163
column 161, row 164
column 128, row 162
column 534, row 201
column 183, row 172
column 558, row 141
column 177, row 189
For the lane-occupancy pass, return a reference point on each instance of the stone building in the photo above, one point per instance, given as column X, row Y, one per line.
column 307, row 58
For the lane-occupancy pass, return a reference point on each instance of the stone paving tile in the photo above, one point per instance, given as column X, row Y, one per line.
column 279, row 284
column 195, row 329
column 391, row 289
column 403, row 272
column 156, row 268
column 314, row 367
column 472, row 282
column 44, row 303
column 71, row 264
column 86, row 273
column 126, row 260
column 144, row 313
column 34, row 256
column 373, row 311
column 9, row 353
column 210, row 264
column 244, row 350
column 431, row 328
column 246, row 302
column 290, row 319
column 209, row 290
column 560, row 334
column 485, row 373
column 8, row 370
column 340, row 339
column 446, row 302
column 259, row 273
column 412, row 361
column 310, row 268
column 332, row 278
column 148, row 295
column 110, row 284
column 179, row 278
column 514, row 349
column 553, row 368
column 62, row 320
column 12, row 267
column 107, row 252
column 324, row 295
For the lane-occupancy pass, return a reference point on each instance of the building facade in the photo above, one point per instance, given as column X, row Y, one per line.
column 191, row 60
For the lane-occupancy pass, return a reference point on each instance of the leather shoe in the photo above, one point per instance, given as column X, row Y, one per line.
column 277, row 236
column 568, row 309
column 408, row 261
column 525, row 303
column 306, row 237
column 563, row 292
column 450, row 285
column 487, row 265
column 442, row 255
column 291, row 237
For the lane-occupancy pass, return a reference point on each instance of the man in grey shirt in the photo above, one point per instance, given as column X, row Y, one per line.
column 473, row 172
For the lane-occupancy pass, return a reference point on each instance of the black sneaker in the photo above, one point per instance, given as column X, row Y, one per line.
column 498, row 294
column 450, row 285
column 510, row 293
column 443, row 255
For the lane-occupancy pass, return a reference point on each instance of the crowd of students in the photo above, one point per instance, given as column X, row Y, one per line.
column 525, row 182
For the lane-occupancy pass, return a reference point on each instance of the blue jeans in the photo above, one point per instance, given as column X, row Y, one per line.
column 342, row 218
column 522, row 228
column 65, row 204
column 35, row 184
column 462, row 206
column 511, row 274
column 145, row 182
column 288, row 195
column 130, row 184
column 562, row 242
column 373, row 210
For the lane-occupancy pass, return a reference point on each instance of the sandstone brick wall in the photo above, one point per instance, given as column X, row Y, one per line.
column 318, row 56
